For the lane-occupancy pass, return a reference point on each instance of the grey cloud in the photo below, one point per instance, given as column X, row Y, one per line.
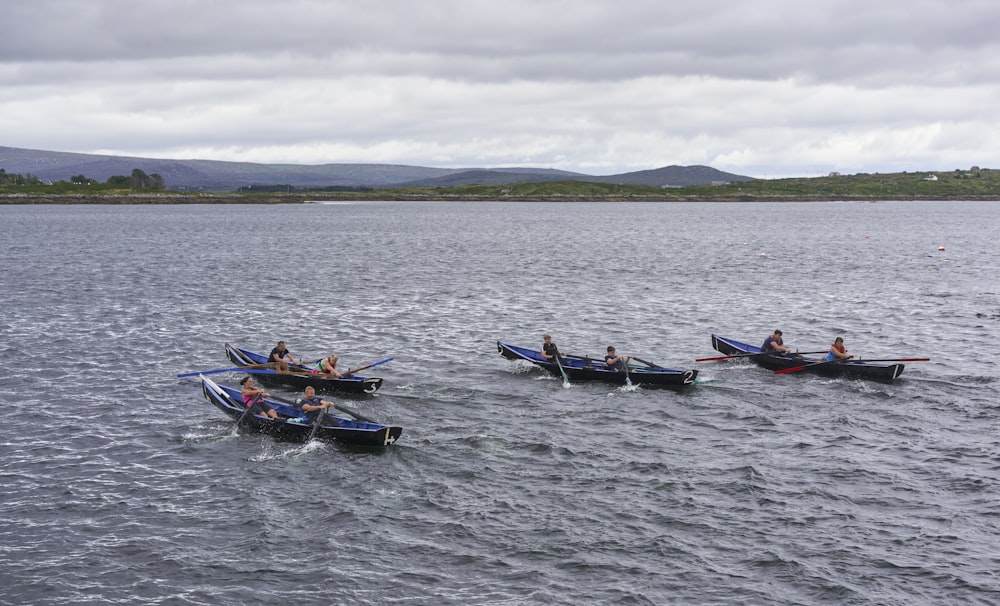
column 479, row 40
column 568, row 84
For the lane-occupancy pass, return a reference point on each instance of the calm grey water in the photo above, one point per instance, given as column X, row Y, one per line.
column 120, row 484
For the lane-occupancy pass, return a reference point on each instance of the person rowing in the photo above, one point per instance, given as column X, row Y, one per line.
column 550, row 351
column 616, row 362
column 310, row 404
column 774, row 345
column 328, row 365
column 838, row 351
column 252, row 398
column 278, row 355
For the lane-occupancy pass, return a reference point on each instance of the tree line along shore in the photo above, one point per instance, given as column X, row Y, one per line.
column 972, row 184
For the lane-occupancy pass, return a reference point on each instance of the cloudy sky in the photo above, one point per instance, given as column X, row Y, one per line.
column 765, row 88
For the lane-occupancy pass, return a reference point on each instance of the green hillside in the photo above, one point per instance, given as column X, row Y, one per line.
column 969, row 184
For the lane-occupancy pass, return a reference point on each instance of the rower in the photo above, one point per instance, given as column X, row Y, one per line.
column 278, row 355
column 774, row 345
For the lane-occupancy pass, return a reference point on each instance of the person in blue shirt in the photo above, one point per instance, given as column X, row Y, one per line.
column 774, row 345
column 838, row 351
column 310, row 404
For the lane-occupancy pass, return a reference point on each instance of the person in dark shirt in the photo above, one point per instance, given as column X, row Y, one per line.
column 549, row 350
column 278, row 355
column 774, row 345
column 311, row 404
column 616, row 362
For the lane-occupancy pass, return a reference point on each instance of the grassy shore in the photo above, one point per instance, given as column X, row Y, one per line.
column 971, row 184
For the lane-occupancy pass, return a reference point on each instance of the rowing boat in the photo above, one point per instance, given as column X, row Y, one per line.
column 300, row 376
column 292, row 424
column 817, row 365
column 583, row 368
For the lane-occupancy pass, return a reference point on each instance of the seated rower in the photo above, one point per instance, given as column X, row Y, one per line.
column 774, row 345
column 550, row 351
column 838, row 351
column 328, row 365
column 310, row 404
column 252, row 398
column 616, row 362
column 278, row 355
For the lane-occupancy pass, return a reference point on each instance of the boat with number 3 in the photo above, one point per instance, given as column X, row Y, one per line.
column 300, row 376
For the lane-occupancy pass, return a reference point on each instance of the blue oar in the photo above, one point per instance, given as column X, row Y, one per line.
column 354, row 370
column 235, row 369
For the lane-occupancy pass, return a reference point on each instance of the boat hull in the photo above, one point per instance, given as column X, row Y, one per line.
column 582, row 368
column 294, row 429
column 848, row 368
column 353, row 384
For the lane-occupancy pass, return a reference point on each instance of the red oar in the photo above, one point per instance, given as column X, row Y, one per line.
column 746, row 355
column 798, row 368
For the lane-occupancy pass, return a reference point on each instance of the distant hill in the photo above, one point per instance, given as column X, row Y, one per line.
column 212, row 175
column 674, row 176
column 497, row 176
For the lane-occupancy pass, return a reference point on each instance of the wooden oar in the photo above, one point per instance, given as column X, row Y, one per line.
column 372, row 365
column 747, row 355
column 357, row 415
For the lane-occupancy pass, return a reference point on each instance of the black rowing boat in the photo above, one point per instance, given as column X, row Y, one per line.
column 851, row 368
column 582, row 368
column 292, row 424
column 300, row 376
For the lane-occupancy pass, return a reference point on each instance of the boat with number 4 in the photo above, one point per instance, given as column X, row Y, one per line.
column 299, row 376
column 582, row 368
column 817, row 365
column 291, row 425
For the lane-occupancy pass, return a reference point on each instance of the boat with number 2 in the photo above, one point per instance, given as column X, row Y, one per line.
column 582, row 368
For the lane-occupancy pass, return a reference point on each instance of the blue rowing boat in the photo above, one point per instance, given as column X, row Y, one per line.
column 817, row 365
column 583, row 368
column 300, row 376
column 292, row 424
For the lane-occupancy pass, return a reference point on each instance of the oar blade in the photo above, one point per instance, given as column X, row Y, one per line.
column 373, row 365
column 715, row 358
column 784, row 371
column 208, row 372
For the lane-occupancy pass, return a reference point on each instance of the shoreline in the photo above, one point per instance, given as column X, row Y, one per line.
column 237, row 198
